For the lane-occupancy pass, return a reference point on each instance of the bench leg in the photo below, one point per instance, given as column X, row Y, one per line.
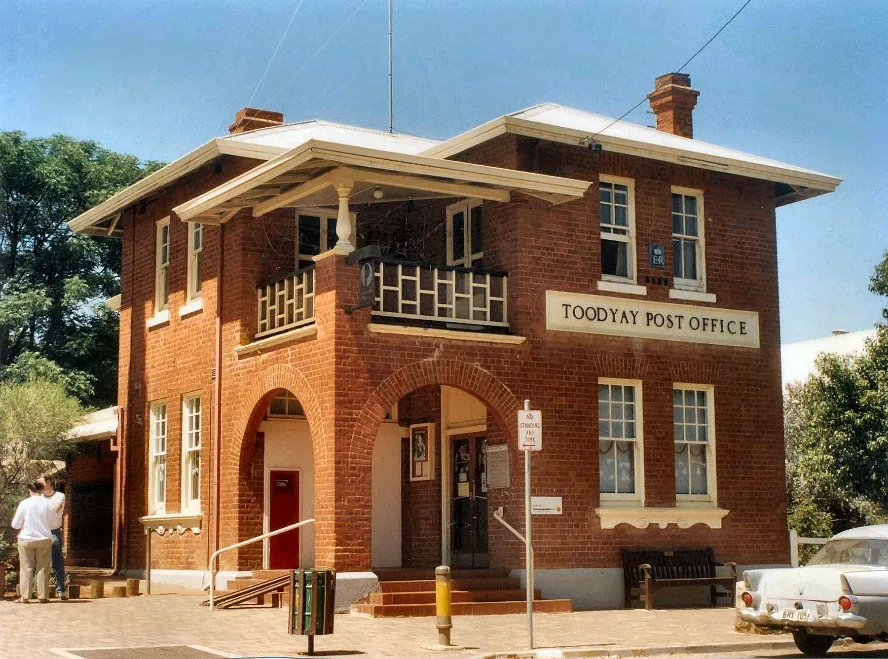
column 647, row 593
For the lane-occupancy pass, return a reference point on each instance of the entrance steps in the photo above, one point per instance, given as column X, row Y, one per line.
column 410, row 592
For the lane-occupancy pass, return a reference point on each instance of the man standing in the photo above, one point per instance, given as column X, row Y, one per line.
column 33, row 518
column 57, row 501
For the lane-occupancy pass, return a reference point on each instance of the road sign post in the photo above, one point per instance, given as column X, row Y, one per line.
column 530, row 438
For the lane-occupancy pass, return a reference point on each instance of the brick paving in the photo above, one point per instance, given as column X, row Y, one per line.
column 175, row 618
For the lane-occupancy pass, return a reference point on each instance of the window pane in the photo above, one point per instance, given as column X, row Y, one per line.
column 629, row 394
column 621, row 195
column 606, row 215
column 691, row 226
column 309, row 235
column 629, row 427
column 690, row 205
column 617, row 429
column 682, row 472
column 625, row 467
column 603, row 429
column 698, row 468
column 677, row 224
column 614, row 258
column 677, row 259
column 617, row 393
column 477, row 229
column 458, row 239
column 603, row 393
column 606, row 467
column 676, row 204
column 690, row 259
column 604, row 192
column 701, row 398
column 198, row 272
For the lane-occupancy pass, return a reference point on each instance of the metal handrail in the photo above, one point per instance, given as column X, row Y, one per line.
column 242, row 544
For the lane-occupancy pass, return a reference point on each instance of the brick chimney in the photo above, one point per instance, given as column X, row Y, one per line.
column 673, row 102
column 253, row 118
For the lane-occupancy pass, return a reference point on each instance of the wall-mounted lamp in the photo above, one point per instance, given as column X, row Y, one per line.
column 378, row 193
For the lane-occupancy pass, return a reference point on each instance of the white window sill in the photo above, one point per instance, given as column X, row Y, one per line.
column 277, row 339
column 695, row 296
column 173, row 522
column 640, row 517
column 191, row 308
column 159, row 318
column 457, row 335
column 621, row 287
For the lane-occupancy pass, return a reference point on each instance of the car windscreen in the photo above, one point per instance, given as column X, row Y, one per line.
column 852, row 552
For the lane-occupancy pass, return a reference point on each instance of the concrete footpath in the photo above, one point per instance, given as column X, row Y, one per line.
column 176, row 620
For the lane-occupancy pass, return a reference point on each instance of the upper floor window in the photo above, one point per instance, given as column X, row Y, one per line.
column 162, row 266
column 694, row 442
column 619, row 439
column 687, row 239
column 191, row 443
column 465, row 234
column 617, row 225
column 316, row 233
column 157, row 443
column 195, row 260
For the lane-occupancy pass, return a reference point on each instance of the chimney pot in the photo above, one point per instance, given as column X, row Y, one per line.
column 253, row 118
column 673, row 101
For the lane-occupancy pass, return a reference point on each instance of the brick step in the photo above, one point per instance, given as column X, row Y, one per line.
column 240, row 584
column 462, row 608
column 265, row 575
column 455, row 596
column 424, row 574
column 492, row 583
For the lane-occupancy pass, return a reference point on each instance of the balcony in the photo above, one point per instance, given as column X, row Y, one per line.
column 451, row 297
column 286, row 303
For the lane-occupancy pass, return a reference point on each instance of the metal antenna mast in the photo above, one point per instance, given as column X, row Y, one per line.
column 391, row 101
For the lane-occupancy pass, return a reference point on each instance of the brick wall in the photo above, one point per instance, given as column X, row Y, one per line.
column 348, row 377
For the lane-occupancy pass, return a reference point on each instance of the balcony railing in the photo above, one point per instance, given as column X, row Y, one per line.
column 286, row 303
column 445, row 295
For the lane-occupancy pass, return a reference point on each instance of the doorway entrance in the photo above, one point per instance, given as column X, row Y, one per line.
column 468, row 518
column 283, row 549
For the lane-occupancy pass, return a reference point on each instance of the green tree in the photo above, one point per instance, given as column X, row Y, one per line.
column 52, row 281
column 836, row 427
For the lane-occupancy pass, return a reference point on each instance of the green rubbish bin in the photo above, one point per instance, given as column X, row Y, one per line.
column 312, row 602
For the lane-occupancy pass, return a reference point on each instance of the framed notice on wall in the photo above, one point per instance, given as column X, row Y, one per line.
column 422, row 451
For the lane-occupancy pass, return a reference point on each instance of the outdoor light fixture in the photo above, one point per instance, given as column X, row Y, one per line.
column 378, row 193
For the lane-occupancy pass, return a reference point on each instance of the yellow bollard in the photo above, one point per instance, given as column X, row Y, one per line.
column 443, row 606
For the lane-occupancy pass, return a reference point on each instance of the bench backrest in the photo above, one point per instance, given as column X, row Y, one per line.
column 668, row 564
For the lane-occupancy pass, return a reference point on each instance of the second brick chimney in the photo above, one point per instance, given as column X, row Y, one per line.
column 673, row 102
column 253, row 118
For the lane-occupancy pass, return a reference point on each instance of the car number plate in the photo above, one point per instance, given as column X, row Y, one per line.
column 796, row 615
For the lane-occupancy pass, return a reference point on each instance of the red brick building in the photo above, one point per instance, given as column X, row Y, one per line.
column 622, row 278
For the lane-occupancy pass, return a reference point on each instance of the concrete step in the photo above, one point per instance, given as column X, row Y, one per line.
column 265, row 575
column 424, row 574
column 491, row 583
column 517, row 595
column 462, row 608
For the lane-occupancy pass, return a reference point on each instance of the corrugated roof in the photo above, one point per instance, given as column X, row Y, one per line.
column 289, row 136
column 101, row 424
column 570, row 125
column 798, row 358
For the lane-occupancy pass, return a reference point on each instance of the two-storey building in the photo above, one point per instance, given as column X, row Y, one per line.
column 622, row 278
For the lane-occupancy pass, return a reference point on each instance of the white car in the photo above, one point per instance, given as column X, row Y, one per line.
column 842, row 591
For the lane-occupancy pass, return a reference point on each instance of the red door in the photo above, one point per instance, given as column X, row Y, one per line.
column 284, row 510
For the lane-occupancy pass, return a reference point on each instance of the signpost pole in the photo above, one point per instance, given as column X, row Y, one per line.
column 528, row 545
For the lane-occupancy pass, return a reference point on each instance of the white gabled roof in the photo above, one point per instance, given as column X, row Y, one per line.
column 568, row 125
column 289, row 136
column 101, row 424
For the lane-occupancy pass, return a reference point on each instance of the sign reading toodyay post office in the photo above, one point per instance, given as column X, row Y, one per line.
column 597, row 314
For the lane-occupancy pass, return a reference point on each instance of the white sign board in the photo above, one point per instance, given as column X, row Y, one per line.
column 546, row 505
column 498, row 473
column 530, row 430
column 615, row 316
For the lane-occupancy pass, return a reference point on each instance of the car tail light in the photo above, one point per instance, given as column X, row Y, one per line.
column 747, row 598
column 845, row 603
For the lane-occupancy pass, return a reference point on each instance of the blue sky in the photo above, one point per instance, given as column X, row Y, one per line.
column 799, row 81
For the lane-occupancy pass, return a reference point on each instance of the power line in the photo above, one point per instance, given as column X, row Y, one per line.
column 274, row 54
column 318, row 51
column 591, row 138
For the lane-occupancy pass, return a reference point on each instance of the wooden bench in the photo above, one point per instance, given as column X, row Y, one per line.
column 650, row 570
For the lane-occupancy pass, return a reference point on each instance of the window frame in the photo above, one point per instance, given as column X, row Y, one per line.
column 465, row 206
column 326, row 216
column 637, row 497
column 194, row 290
column 156, row 507
column 711, row 472
column 189, row 502
column 288, row 399
column 696, row 285
column 631, row 235
column 161, row 268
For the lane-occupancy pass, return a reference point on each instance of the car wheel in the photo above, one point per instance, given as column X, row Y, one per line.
column 812, row 644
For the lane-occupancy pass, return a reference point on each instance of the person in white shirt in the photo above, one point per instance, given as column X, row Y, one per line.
column 33, row 518
column 57, row 499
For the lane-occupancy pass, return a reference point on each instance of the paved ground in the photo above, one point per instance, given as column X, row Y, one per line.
column 176, row 619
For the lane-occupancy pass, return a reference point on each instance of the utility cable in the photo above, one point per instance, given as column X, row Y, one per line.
column 318, row 51
column 591, row 138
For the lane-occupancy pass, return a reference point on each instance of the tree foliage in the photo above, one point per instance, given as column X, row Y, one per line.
column 52, row 281
column 836, row 427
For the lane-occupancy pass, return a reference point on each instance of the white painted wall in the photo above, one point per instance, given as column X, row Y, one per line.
column 385, row 549
column 288, row 446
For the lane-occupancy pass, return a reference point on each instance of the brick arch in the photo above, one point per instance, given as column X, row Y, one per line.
column 451, row 372
column 261, row 390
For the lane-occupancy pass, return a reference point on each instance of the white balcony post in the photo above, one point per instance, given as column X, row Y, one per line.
column 343, row 219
